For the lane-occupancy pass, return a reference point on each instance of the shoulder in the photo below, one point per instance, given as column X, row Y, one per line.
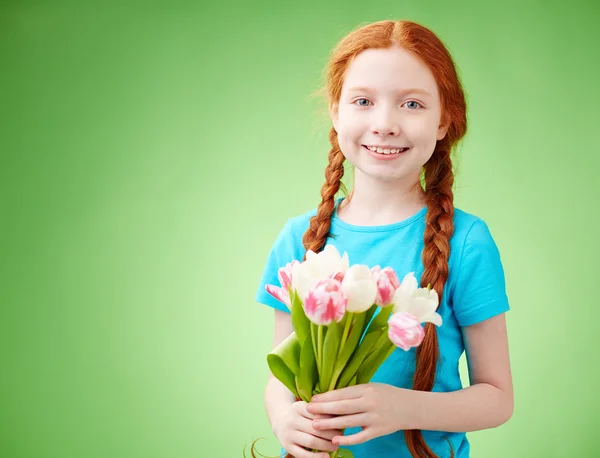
column 471, row 233
column 477, row 288
column 288, row 243
column 465, row 223
column 472, row 243
column 300, row 222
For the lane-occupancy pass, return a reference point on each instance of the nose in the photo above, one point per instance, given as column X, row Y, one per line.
column 385, row 124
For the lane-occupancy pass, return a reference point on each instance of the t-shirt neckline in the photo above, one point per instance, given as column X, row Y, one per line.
column 380, row 228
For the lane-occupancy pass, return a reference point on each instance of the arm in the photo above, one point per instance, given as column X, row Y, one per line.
column 489, row 401
column 277, row 397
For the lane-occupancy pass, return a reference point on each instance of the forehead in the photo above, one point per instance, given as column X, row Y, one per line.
column 389, row 71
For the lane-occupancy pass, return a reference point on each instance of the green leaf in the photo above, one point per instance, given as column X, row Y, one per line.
column 301, row 393
column 368, row 315
column 289, row 352
column 348, row 348
column 362, row 352
column 380, row 319
column 307, row 378
column 313, row 336
column 300, row 321
column 344, row 453
column 374, row 361
column 282, row 372
column 330, row 350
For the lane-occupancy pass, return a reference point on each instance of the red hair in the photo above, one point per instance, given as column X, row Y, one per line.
column 438, row 173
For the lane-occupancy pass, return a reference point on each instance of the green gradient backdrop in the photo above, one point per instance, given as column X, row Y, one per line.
column 150, row 155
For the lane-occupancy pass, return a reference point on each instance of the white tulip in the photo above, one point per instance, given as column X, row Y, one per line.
column 360, row 288
column 317, row 266
column 417, row 301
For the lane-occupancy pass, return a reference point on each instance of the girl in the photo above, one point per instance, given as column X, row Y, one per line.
column 398, row 110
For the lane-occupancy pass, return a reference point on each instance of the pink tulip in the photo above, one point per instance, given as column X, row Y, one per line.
column 405, row 331
column 325, row 302
column 339, row 276
column 387, row 284
column 282, row 293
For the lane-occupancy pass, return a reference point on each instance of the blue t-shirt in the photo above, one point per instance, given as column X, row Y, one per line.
column 474, row 291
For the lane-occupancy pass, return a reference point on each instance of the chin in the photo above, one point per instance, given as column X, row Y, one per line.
column 377, row 173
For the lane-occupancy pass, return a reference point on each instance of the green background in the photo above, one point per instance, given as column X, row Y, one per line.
column 151, row 152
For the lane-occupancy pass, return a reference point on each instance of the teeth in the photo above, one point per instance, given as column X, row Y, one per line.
column 385, row 150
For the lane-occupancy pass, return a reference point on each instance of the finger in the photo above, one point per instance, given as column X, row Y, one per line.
column 320, row 416
column 341, row 422
column 313, row 442
column 327, row 434
column 299, row 452
column 353, row 439
column 350, row 392
column 344, row 407
column 312, row 416
column 306, row 425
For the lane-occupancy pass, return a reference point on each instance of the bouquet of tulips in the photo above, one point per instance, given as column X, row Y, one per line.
column 347, row 320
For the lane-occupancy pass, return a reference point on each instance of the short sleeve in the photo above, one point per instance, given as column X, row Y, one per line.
column 281, row 253
column 480, row 289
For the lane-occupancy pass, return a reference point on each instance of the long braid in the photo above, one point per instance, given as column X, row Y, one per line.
column 316, row 235
column 438, row 231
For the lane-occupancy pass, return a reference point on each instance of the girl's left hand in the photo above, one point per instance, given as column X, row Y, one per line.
column 379, row 408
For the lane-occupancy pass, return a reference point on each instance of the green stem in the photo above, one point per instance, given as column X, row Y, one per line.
column 338, row 369
column 320, row 346
column 349, row 322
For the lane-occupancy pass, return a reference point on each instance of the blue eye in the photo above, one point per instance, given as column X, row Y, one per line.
column 360, row 104
column 367, row 100
column 413, row 101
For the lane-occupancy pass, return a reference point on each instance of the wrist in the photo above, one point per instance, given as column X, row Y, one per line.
column 407, row 401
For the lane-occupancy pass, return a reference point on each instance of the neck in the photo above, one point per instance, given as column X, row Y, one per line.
column 375, row 203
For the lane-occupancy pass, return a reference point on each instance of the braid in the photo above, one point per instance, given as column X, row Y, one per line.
column 316, row 235
column 438, row 231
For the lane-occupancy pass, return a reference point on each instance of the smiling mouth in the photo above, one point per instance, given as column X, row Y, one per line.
column 396, row 151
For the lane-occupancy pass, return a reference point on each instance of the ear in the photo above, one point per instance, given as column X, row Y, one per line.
column 443, row 129
column 333, row 114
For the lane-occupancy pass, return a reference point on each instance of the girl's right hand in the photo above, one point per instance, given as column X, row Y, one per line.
column 295, row 432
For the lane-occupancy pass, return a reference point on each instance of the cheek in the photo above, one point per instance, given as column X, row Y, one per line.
column 350, row 135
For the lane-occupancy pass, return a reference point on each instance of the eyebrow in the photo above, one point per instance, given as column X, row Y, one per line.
column 405, row 91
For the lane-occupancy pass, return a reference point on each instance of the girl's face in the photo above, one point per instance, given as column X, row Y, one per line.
column 389, row 98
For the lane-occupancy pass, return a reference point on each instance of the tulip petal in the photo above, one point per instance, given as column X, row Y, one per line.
column 402, row 300
column 405, row 331
column 421, row 307
column 409, row 283
column 360, row 288
column 279, row 293
column 434, row 318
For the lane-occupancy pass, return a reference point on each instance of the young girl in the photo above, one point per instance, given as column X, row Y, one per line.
column 398, row 110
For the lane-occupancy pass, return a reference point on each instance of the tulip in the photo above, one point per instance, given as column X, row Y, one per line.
column 419, row 302
column 282, row 293
column 325, row 302
column 405, row 331
column 318, row 266
column 387, row 284
column 360, row 288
